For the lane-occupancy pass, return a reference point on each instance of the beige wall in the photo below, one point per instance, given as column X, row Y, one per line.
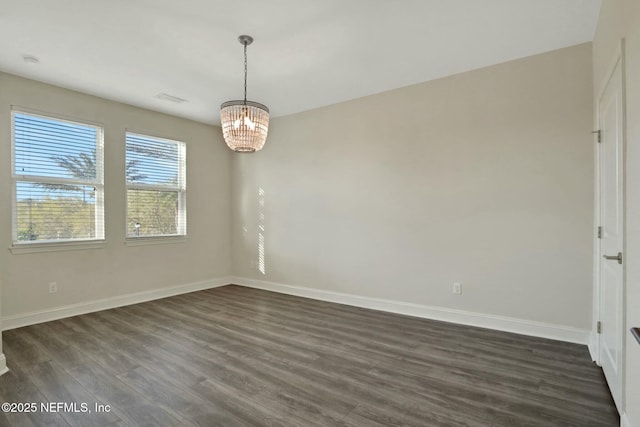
column 618, row 19
column 116, row 269
column 632, row 14
column 483, row 177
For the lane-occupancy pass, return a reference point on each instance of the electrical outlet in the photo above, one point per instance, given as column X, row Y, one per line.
column 53, row 287
column 457, row 288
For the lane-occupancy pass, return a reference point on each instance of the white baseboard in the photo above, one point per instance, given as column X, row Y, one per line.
column 625, row 421
column 3, row 364
column 593, row 347
column 501, row 323
column 20, row 320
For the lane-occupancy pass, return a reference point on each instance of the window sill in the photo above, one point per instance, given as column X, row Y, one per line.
column 30, row 248
column 160, row 240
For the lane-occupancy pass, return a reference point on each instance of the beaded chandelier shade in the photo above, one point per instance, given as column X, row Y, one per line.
column 244, row 123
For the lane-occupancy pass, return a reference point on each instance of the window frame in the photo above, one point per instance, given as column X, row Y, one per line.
column 17, row 246
column 180, row 189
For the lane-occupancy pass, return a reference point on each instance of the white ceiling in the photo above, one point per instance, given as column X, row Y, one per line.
column 306, row 54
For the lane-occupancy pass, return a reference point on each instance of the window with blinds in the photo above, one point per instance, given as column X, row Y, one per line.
column 156, row 186
column 57, row 179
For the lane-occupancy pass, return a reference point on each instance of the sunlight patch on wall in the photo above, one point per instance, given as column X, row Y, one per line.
column 261, row 261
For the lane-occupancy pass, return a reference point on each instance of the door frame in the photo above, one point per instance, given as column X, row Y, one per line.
column 594, row 341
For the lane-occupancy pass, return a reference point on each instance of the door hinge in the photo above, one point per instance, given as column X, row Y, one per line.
column 600, row 232
column 599, row 132
column 599, row 327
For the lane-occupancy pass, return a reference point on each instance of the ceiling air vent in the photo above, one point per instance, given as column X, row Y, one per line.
column 170, row 98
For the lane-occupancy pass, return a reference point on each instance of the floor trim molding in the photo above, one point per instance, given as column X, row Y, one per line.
column 624, row 421
column 3, row 364
column 593, row 347
column 26, row 319
column 501, row 323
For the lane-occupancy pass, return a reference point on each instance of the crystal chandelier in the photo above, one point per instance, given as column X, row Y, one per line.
column 244, row 123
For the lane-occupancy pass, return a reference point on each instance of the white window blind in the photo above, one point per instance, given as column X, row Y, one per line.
column 156, row 186
column 57, row 180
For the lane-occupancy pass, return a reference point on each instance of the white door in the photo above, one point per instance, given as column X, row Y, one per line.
column 611, row 116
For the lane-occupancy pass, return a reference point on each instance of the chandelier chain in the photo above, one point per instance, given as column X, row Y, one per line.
column 245, row 73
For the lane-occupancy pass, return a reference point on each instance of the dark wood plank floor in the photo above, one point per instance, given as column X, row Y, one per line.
column 237, row 356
